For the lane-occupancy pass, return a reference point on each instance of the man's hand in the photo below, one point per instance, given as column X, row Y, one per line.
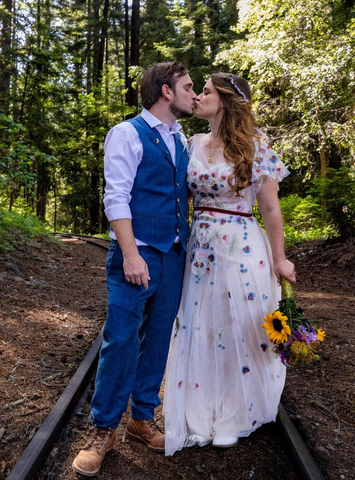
column 136, row 270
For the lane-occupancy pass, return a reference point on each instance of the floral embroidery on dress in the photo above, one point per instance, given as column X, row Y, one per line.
column 177, row 327
column 228, row 288
column 225, row 238
column 247, row 250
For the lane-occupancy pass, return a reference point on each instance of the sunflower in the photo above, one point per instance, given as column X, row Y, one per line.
column 276, row 327
column 320, row 334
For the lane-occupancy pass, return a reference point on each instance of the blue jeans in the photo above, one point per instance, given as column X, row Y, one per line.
column 136, row 335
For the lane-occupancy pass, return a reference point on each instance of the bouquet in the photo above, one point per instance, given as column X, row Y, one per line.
column 296, row 338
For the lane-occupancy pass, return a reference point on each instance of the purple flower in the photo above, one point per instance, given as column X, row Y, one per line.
column 283, row 356
column 303, row 334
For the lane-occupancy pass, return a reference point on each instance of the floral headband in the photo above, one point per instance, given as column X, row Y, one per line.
column 238, row 89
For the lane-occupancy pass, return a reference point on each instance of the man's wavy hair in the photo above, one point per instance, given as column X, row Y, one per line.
column 238, row 128
column 155, row 77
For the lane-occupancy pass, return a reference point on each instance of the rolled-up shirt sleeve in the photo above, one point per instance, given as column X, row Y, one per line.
column 123, row 154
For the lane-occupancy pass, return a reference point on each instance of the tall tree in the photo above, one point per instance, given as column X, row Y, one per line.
column 300, row 59
column 132, row 49
column 5, row 55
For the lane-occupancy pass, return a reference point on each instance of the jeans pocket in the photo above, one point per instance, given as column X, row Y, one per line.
column 114, row 258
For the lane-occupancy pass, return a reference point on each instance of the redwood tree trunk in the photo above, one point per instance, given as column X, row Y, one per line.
column 5, row 57
column 100, row 39
column 132, row 93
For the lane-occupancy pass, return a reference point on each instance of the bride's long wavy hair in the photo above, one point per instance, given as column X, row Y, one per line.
column 238, row 128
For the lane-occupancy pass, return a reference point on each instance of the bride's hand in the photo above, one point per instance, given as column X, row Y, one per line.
column 285, row 269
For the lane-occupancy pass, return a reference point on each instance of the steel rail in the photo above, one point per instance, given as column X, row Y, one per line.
column 79, row 235
column 301, row 455
column 86, row 238
column 32, row 459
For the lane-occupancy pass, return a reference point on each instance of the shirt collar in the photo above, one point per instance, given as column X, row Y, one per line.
column 154, row 122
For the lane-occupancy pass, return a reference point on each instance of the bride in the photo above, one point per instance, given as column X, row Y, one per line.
column 223, row 381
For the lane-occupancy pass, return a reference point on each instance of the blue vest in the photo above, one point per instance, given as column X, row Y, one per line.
column 159, row 194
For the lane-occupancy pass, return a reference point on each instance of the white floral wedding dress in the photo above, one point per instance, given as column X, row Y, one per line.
column 222, row 377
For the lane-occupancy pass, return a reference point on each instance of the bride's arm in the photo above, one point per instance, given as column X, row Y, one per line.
column 269, row 207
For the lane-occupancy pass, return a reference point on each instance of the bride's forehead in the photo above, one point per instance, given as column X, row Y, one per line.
column 208, row 84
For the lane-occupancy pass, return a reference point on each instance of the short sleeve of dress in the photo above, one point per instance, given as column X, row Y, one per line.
column 192, row 142
column 267, row 164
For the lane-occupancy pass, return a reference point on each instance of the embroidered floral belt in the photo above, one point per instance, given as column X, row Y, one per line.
column 220, row 210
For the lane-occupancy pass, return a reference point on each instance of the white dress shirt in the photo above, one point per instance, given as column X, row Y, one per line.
column 123, row 154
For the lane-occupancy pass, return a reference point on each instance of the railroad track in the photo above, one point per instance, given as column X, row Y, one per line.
column 32, row 459
column 98, row 242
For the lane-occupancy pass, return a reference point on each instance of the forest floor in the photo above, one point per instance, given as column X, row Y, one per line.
column 52, row 306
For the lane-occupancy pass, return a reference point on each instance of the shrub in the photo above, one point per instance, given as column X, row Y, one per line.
column 305, row 220
column 335, row 196
column 16, row 228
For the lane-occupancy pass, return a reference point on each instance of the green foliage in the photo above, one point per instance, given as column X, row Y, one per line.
column 336, row 195
column 17, row 228
column 305, row 220
column 299, row 57
column 17, row 160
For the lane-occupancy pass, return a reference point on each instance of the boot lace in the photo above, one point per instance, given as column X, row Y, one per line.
column 100, row 439
column 152, row 426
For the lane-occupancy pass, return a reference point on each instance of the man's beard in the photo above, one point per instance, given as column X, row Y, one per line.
column 179, row 112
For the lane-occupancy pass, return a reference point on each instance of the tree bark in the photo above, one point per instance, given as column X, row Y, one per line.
column 213, row 13
column 88, row 50
column 126, row 46
column 132, row 49
column 5, row 58
column 100, row 39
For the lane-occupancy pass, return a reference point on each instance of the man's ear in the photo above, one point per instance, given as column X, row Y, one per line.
column 166, row 92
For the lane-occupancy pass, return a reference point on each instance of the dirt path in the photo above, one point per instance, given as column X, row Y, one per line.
column 52, row 305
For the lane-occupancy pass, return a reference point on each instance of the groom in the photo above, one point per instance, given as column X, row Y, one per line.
column 146, row 202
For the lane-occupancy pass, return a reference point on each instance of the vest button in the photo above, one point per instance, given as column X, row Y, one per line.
column 178, row 184
column 178, row 214
column 178, row 200
column 177, row 230
column 167, row 153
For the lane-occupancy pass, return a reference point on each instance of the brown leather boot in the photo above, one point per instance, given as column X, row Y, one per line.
column 88, row 461
column 147, row 432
